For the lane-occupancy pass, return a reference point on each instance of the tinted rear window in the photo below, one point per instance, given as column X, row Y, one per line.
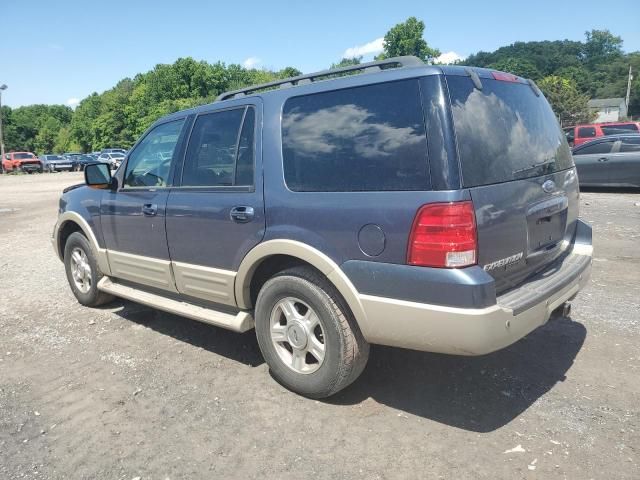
column 630, row 144
column 617, row 129
column 357, row 139
column 586, row 132
column 505, row 132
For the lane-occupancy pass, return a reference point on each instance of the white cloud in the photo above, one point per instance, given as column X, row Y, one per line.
column 371, row 48
column 73, row 102
column 448, row 57
column 251, row 62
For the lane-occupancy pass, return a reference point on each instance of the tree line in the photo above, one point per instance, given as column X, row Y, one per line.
column 568, row 72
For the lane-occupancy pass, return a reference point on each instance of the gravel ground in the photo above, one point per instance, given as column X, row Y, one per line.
column 126, row 391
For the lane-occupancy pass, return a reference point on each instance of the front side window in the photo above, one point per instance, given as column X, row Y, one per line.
column 368, row 138
column 150, row 161
column 596, row 148
column 586, row 132
column 219, row 154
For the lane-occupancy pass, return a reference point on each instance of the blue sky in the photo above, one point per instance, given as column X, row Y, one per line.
column 69, row 49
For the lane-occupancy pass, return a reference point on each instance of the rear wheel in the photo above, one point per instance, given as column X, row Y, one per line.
column 307, row 334
column 83, row 272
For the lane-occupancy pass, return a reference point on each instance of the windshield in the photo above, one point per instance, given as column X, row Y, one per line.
column 23, row 156
column 505, row 132
column 53, row 157
column 117, row 155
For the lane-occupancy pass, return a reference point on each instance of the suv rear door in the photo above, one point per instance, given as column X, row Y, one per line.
column 517, row 165
column 215, row 213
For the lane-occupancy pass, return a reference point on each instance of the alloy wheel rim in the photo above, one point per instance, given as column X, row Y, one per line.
column 80, row 270
column 297, row 335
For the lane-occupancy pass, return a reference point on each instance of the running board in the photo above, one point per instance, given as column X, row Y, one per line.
column 241, row 322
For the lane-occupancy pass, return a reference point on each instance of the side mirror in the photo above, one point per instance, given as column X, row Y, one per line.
column 98, row 175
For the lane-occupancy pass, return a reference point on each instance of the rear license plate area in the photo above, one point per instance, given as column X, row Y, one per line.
column 546, row 223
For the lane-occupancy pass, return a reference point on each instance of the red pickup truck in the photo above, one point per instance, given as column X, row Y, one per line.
column 584, row 133
column 21, row 161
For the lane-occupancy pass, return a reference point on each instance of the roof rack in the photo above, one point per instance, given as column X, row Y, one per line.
column 395, row 62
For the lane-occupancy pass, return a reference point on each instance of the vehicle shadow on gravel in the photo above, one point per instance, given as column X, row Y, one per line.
column 240, row 347
column 479, row 394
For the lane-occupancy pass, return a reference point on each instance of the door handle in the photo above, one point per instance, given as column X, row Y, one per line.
column 603, row 159
column 149, row 209
column 241, row 214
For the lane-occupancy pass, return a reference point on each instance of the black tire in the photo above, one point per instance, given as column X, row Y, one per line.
column 93, row 297
column 346, row 350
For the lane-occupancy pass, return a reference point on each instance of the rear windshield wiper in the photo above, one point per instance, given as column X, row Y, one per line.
column 534, row 166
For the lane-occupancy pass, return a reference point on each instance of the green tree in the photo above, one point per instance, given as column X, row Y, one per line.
column 47, row 134
column 65, row 142
column 601, row 45
column 347, row 62
column 517, row 66
column 407, row 39
column 569, row 105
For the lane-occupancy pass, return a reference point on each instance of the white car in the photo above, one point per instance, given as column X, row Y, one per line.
column 113, row 159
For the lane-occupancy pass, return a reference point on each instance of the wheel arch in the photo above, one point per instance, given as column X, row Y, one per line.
column 302, row 253
column 69, row 222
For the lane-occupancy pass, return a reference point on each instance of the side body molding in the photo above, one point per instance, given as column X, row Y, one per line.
column 101, row 253
column 304, row 252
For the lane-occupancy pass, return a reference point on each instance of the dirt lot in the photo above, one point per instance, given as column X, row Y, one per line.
column 126, row 391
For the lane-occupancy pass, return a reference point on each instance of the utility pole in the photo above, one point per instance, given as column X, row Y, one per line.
column 629, row 89
column 2, row 87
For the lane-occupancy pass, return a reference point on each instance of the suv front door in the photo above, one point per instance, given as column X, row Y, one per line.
column 133, row 217
column 215, row 213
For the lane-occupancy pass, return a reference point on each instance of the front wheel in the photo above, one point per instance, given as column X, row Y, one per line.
column 83, row 272
column 307, row 334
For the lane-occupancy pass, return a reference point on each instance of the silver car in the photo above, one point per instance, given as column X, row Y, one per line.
column 612, row 161
column 113, row 159
column 55, row 163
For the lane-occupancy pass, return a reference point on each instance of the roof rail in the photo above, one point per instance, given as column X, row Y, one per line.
column 395, row 62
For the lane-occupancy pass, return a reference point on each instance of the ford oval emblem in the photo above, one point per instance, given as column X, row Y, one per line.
column 549, row 186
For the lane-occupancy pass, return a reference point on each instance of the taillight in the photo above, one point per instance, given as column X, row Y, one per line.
column 444, row 235
column 504, row 77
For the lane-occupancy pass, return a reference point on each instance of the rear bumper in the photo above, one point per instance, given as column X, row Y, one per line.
column 477, row 331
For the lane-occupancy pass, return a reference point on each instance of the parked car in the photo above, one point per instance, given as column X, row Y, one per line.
column 81, row 161
column 612, row 161
column 55, row 163
column 113, row 159
column 425, row 207
column 73, row 157
column 584, row 133
column 21, row 161
column 114, row 150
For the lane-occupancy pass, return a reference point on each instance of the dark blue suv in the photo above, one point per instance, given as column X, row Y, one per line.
column 425, row 207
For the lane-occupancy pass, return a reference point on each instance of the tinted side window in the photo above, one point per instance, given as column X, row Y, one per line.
column 357, row 139
column 586, row 132
column 213, row 150
column 149, row 162
column 618, row 129
column 601, row 147
column 630, row 144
